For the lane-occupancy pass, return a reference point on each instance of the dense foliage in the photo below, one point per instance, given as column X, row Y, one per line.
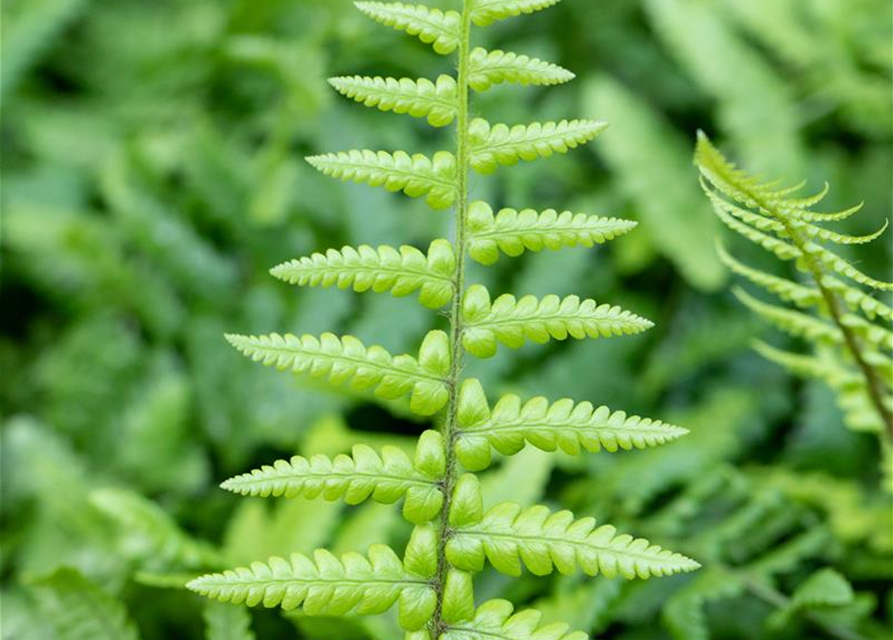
column 152, row 174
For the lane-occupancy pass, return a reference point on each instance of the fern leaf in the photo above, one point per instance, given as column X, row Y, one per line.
column 419, row 98
column 346, row 358
column 795, row 323
column 512, row 232
column 809, row 366
column 856, row 299
column 401, row 272
column 495, row 619
column 508, row 536
column 787, row 290
column 77, row 609
column 844, row 268
column 415, row 175
column 512, row 322
column 441, row 29
column 504, row 145
column 486, row 12
column 494, row 67
column 365, row 474
column 327, row 585
column 824, row 588
column 547, row 426
column 838, row 238
column 226, row 622
column 814, row 216
column 875, row 335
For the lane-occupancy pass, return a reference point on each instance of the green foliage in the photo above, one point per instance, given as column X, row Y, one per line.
column 487, row 68
column 773, row 218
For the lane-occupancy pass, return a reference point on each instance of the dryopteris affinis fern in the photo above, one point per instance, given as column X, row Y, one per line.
column 852, row 330
column 454, row 534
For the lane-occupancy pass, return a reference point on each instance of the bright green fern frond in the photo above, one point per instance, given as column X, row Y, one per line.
column 512, row 322
column 485, row 12
column 327, row 585
column 419, row 98
column 440, row 29
column 487, row 68
column 755, row 220
column 856, row 299
column 840, row 266
column 795, row 323
column 346, row 358
column 512, row 232
column 875, row 335
column 401, row 272
column 820, row 233
column 548, row 426
column 415, row 175
column 504, row 145
column 77, row 609
column 365, row 474
column 787, row 290
column 495, row 619
column 508, row 535
column 814, row 216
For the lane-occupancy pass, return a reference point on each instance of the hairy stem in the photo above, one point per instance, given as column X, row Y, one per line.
column 456, row 349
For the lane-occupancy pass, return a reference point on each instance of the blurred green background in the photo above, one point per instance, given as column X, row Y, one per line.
column 152, row 173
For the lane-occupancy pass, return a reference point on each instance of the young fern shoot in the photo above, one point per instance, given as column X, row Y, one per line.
column 454, row 534
column 852, row 331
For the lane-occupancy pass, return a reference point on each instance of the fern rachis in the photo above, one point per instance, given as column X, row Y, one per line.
column 453, row 534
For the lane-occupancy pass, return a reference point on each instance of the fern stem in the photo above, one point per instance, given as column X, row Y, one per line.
column 854, row 345
column 456, row 349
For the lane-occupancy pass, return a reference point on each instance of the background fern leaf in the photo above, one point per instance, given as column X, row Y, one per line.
column 508, row 535
column 364, row 474
column 495, row 619
column 415, row 175
column 504, row 145
column 548, row 426
column 385, row 269
column 326, row 585
column 226, row 622
column 440, row 29
column 788, row 290
column 512, row 322
column 77, row 609
column 485, row 12
column 346, row 358
column 793, row 322
column 512, row 232
column 494, row 67
column 421, row 98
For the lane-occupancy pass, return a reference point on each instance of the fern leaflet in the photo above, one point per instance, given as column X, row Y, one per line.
column 494, row 67
column 419, row 98
column 486, row 12
column 432, row 26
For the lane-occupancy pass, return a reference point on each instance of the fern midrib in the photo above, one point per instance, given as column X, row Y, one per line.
column 534, row 317
column 360, row 269
column 248, row 482
column 816, row 270
column 358, row 361
column 450, row 425
column 524, row 424
column 230, row 583
column 524, row 231
column 565, row 541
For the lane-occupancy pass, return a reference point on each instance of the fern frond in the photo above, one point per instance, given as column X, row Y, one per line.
column 512, row 232
column 504, row 145
column 226, row 622
column 837, row 216
column 782, row 249
column 486, row 12
column 77, row 609
column 365, row 474
column 346, row 358
column 875, row 335
column 788, row 290
column 327, row 585
column 512, row 322
column 401, row 272
column 487, row 68
column 840, row 266
column 821, row 233
column 547, row 426
column 856, row 299
column 495, row 619
column 795, row 323
column 415, row 175
column 809, row 366
column 419, row 98
column 441, row 29
column 508, row 536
